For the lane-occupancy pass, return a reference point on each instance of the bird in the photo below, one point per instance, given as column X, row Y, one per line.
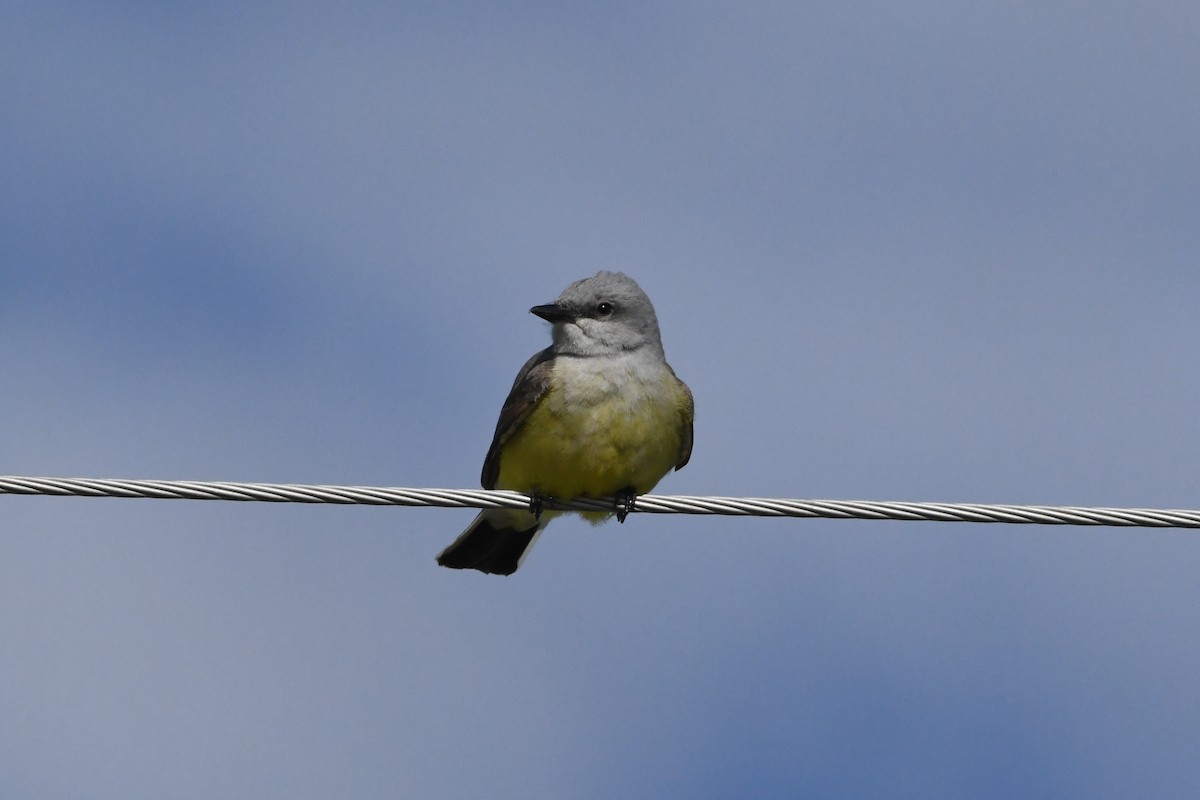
column 598, row 413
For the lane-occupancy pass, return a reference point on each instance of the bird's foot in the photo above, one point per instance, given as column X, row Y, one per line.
column 537, row 504
column 625, row 501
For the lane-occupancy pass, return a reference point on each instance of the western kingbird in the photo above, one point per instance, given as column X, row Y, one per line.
column 598, row 413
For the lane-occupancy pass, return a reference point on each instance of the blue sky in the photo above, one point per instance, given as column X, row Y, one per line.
column 931, row 252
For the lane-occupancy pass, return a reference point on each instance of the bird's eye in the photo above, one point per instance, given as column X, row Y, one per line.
column 604, row 309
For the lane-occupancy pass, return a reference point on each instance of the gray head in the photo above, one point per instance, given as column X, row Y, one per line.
column 605, row 314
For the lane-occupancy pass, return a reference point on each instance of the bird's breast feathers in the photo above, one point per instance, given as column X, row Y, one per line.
column 602, row 426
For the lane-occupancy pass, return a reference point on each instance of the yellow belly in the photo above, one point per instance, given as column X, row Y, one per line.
column 595, row 441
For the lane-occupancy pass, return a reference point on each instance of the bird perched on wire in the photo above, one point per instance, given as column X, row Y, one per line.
column 598, row 413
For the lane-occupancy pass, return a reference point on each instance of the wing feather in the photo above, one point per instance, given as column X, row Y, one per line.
column 531, row 383
column 687, row 416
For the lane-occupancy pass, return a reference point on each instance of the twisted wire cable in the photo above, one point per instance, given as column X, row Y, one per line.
column 653, row 504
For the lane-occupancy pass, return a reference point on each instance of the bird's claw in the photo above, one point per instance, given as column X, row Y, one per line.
column 537, row 504
column 625, row 501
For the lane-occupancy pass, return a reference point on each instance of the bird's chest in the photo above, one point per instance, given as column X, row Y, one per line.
column 596, row 432
column 618, row 407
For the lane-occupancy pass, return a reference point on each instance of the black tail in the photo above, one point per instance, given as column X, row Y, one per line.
column 489, row 545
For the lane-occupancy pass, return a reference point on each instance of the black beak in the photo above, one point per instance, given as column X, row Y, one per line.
column 552, row 313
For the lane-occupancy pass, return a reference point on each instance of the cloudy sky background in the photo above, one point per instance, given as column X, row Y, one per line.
column 923, row 252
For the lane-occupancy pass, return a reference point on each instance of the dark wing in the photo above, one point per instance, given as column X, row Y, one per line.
column 531, row 383
column 687, row 415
